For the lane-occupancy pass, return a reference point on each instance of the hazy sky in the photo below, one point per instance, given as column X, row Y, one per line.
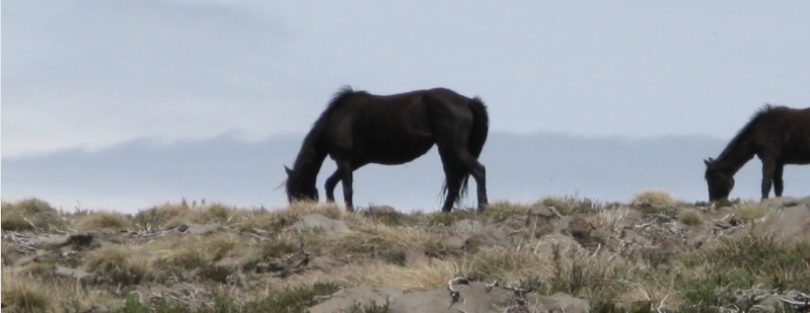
column 95, row 73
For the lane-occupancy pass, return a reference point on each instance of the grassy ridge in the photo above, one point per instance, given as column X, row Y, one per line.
column 652, row 253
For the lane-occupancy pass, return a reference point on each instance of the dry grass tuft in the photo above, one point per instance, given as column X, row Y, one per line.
column 330, row 210
column 749, row 211
column 422, row 275
column 170, row 215
column 165, row 215
column 188, row 253
column 116, row 264
column 568, row 205
column 690, row 217
column 30, row 214
column 25, row 294
column 509, row 264
column 103, row 220
column 653, row 198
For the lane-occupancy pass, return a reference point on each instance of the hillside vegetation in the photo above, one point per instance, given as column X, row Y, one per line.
column 569, row 254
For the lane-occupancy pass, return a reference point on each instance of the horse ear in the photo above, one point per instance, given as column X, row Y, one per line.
column 709, row 162
column 288, row 170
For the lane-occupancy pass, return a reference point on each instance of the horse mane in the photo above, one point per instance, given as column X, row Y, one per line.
column 764, row 112
column 340, row 97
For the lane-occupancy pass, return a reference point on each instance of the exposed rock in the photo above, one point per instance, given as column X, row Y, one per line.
column 787, row 224
column 229, row 264
column 346, row 298
column 319, row 222
column 74, row 274
column 560, row 302
column 474, row 298
column 467, row 227
column 540, row 210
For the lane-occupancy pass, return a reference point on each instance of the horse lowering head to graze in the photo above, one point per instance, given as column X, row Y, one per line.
column 777, row 135
column 358, row 128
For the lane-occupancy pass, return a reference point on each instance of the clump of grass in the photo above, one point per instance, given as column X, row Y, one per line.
column 690, row 217
column 385, row 215
column 185, row 254
column 738, row 264
column 380, row 240
column 103, row 220
column 750, row 211
column 117, row 264
column 169, row 215
column 26, row 295
column 508, row 264
column 166, row 215
column 500, row 211
column 288, row 300
column 215, row 212
column 653, row 199
column 370, row 307
column 278, row 247
column 30, row 214
column 420, row 275
column 262, row 220
column 445, row 218
column 330, row 210
column 568, row 205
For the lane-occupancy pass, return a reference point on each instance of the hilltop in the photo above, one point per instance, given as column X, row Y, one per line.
column 654, row 254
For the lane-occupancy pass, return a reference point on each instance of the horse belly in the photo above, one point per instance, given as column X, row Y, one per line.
column 398, row 151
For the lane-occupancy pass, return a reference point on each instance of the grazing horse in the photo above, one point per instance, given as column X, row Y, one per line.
column 358, row 128
column 777, row 135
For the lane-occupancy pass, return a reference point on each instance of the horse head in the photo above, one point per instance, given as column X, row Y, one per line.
column 298, row 189
column 719, row 182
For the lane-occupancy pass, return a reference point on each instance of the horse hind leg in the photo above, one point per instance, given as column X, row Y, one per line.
column 469, row 165
column 479, row 173
column 453, row 179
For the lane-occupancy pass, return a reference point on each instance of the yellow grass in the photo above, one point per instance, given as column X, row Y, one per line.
column 655, row 198
column 103, row 220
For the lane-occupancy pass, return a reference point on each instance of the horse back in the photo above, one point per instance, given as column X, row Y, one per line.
column 788, row 131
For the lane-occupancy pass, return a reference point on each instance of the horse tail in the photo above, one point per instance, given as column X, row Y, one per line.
column 478, row 135
column 480, row 128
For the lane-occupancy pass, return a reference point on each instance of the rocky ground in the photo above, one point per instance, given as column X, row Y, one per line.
column 561, row 254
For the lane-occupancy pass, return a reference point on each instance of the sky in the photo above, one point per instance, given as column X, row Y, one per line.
column 91, row 74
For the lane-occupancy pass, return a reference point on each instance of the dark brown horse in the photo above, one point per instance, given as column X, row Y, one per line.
column 358, row 128
column 777, row 135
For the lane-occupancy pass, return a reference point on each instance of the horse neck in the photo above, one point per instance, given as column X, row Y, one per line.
column 308, row 162
column 738, row 152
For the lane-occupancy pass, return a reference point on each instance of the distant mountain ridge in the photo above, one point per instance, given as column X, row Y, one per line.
column 520, row 167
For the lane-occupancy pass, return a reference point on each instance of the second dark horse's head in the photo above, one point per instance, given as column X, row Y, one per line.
column 298, row 189
column 720, row 183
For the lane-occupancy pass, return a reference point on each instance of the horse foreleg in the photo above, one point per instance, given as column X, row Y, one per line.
column 768, row 170
column 330, row 185
column 345, row 168
column 778, row 184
